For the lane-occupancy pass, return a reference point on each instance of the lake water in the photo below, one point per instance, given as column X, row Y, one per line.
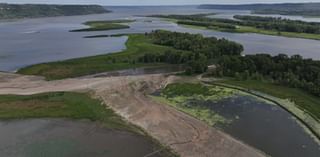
column 265, row 126
column 31, row 41
column 66, row 138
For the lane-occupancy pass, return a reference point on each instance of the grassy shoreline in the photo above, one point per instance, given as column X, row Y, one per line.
column 69, row 105
column 137, row 45
column 60, row 105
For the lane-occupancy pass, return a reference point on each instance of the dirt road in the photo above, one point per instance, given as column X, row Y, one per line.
column 127, row 96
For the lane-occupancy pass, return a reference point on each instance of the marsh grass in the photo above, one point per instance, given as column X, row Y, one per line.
column 137, row 45
column 60, row 105
column 187, row 97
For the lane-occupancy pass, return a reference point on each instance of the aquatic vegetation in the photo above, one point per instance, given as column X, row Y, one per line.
column 197, row 90
column 199, row 112
column 189, row 98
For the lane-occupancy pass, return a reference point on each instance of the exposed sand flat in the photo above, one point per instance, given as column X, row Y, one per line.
column 186, row 135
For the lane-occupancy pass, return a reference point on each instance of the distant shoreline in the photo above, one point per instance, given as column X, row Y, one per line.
column 9, row 12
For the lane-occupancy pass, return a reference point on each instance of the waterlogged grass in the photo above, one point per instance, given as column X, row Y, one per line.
column 137, row 45
column 60, row 105
column 186, row 97
column 104, row 25
column 197, row 90
column 201, row 113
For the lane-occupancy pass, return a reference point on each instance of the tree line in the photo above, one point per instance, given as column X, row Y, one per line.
column 14, row 11
column 201, row 20
column 302, row 9
column 194, row 50
column 291, row 71
column 197, row 52
column 279, row 24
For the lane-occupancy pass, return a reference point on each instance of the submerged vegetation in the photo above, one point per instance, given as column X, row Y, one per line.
column 251, row 24
column 104, row 25
column 189, row 98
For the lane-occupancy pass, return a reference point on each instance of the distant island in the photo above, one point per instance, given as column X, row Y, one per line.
column 249, row 24
column 18, row 11
column 104, row 25
column 303, row 9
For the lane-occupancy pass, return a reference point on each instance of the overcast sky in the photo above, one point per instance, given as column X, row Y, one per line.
column 152, row 2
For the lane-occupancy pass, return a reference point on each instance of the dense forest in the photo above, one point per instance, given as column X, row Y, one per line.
column 304, row 9
column 196, row 50
column 14, row 11
column 291, row 71
column 279, row 24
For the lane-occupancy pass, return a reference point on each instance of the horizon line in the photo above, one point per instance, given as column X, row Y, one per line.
column 154, row 5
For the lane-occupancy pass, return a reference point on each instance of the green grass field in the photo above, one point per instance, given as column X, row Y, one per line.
column 104, row 25
column 301, row 98
column 137, row 45
column 60, row 105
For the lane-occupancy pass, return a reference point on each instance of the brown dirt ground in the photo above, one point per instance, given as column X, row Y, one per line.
column 127, row 96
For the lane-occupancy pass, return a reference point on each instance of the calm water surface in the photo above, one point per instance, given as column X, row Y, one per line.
column 265, row 126
column 32, row 41
column 65, row 138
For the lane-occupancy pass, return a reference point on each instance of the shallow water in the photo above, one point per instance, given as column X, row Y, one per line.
column 66, row 138
column 32, row 41
column 265, row 126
